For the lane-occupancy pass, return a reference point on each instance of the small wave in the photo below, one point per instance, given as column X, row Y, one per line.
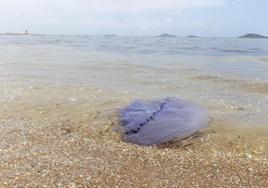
column 255, row 49
column 189, row 48
column 236, row 51
column 131, row 47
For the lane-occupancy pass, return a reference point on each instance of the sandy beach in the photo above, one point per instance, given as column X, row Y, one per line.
column 63, row 136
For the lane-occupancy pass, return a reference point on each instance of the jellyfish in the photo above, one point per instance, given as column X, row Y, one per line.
column 159, row 121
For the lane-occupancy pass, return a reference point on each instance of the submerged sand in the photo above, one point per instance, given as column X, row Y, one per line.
column 63, row 136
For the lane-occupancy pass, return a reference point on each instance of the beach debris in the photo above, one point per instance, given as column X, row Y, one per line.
column 72, row 99
column 156, row 122
column 238, row 108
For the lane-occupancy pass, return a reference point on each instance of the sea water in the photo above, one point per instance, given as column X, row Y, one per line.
column 227, row 75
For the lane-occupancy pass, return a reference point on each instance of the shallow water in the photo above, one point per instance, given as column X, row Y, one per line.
column 227, row 75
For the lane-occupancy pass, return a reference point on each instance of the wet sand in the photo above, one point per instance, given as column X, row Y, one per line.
column 62, row 136
column 255, row 87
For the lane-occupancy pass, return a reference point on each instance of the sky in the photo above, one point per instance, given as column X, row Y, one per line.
column 228, row 18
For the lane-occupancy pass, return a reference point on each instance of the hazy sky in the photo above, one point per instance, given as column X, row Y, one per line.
column 135, row 17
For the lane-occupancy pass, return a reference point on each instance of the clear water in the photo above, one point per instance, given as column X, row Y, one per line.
column 221, row 73
column 149, row 49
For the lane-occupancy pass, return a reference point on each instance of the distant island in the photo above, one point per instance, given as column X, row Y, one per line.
column 253, row 36
column 12, row 33
column 166, row 35
column 9, row 33
column 192, row 36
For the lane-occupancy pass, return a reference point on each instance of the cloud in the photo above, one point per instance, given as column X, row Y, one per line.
column 105, row 5
column 152, row 5
column 64, row 9
column 99, row 15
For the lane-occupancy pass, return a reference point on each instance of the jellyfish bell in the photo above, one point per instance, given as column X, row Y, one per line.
column 156, row 122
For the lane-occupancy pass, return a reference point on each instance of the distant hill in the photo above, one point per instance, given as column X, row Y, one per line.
column 253, row 36
column 13, row 33
column 166, row 35
column 19, row 34
column 192, row 36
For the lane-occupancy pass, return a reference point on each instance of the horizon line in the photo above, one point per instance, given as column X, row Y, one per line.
column 119, row 35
